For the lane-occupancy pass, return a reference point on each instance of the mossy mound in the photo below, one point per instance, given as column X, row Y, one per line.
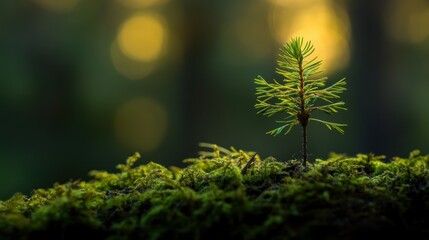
column 232, row 194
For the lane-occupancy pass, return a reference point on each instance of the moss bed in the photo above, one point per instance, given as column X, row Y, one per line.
column 232, row 194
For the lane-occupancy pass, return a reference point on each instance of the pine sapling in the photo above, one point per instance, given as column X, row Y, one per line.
column 300, row 93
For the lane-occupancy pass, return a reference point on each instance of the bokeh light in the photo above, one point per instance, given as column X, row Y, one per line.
column 408, row 21
column 57, row 5
column 326, row 26
column 134, row 70
column 142, row 37
column 141, row 124
column 200, row 58
column 141, row 3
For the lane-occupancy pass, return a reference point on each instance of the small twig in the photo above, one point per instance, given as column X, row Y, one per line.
column 248, row 164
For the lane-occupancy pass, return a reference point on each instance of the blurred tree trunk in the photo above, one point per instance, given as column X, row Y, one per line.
column 200, row 31
column 370, row 76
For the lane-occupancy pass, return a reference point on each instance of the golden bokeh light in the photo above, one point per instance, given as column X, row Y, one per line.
column 326, row 26
column 141, row 3
column 408, row 21
column 142, row 37
column 57, row 5
column 129, row 68
column 141, row 124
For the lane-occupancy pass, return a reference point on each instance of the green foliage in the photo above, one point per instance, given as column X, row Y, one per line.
column 338, row 198
column 301, row 92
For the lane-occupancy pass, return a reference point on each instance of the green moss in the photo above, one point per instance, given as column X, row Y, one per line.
column 213, row 197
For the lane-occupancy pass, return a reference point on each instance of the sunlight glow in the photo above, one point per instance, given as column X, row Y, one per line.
column 142, row 37
column 141, row 124
column 328, row 28
column 129, row 68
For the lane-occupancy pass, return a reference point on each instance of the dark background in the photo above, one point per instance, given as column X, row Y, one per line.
column 85, row 84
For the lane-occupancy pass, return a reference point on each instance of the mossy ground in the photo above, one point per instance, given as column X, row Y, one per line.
column 358, row 197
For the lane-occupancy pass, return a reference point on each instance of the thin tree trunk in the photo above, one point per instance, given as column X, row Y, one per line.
column 304, row 145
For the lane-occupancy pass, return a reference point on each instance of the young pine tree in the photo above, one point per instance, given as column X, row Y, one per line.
column 300, row 92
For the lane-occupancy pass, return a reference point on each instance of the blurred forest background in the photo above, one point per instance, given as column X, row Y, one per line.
column 85, row 84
